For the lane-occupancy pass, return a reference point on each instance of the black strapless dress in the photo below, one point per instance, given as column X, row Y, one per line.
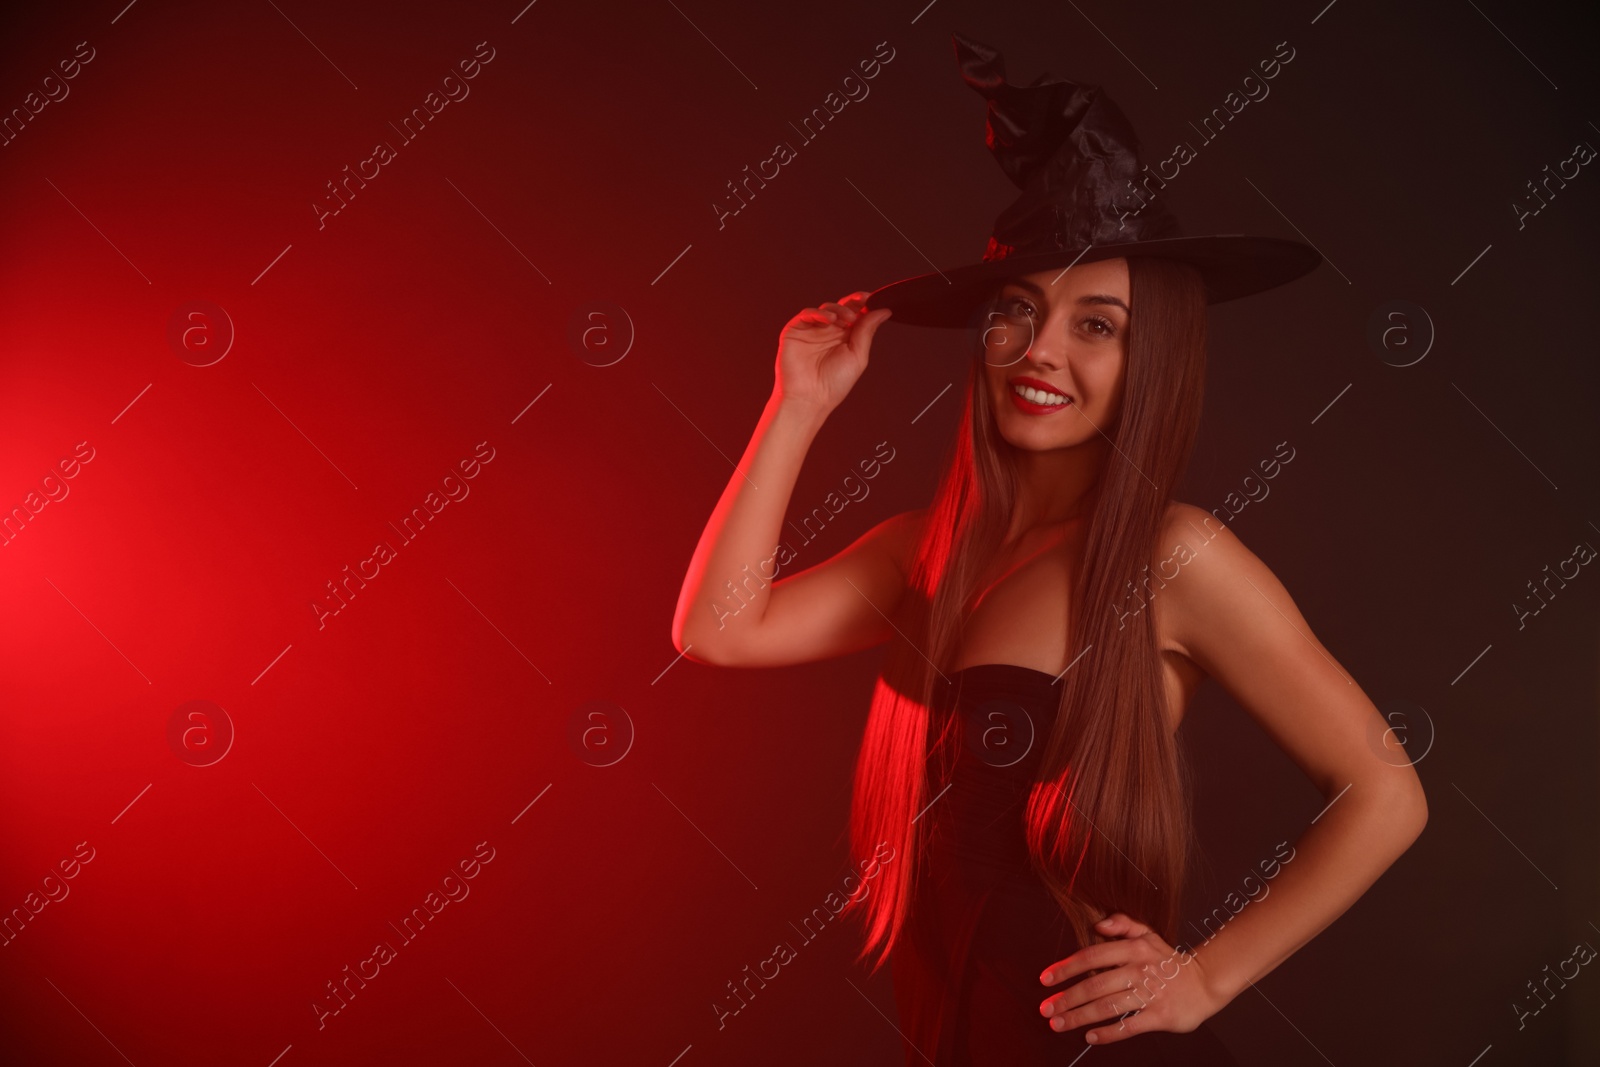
column 982, row 925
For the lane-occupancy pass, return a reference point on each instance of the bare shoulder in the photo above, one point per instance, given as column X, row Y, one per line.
column 1188, row 525
column 1207, row 572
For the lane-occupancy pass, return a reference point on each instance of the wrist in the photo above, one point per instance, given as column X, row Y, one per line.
column 1219, row 992
column 800, row 415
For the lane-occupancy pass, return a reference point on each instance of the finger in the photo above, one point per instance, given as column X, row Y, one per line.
column 1121, row 1030
column 866, row 323
column 1095, row 957
column 845, row 315
column 1103, row 984
column 866, row 326
column 1114, row 1006
column 1121, row 924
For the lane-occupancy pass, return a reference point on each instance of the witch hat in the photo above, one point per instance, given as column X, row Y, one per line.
column 1074, row 155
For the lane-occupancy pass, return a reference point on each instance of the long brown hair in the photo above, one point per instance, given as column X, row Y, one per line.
column 1108, row 820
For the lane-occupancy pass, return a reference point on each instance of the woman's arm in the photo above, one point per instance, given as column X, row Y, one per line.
column 728, row 596
column 1227, row 612
column 741, row 536
column 1237, row 622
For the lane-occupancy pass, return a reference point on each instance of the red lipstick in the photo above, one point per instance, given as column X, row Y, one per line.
column 1029, row 407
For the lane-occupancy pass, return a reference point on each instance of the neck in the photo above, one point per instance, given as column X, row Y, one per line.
column 1055, row 487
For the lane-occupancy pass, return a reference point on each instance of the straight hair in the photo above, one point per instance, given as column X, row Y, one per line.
column 1108, row 819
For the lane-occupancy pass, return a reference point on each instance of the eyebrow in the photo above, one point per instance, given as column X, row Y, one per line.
column 1086, row 299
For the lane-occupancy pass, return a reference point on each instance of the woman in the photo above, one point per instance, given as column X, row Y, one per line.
column 1049, row 617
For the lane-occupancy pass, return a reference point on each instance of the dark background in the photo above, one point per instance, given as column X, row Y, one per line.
column 369, row 756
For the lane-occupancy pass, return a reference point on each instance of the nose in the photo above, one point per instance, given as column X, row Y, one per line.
column 1047, row 346
column 1007, row 343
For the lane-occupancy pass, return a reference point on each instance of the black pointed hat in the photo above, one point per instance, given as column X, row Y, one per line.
column 1074, row 155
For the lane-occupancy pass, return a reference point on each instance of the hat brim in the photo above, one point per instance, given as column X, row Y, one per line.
column 1232, row 264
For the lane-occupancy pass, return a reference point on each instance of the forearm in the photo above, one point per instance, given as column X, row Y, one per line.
column 1335, row 861
column 727, row 583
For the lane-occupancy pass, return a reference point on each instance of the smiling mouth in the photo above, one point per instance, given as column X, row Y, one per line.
column 1030, row 398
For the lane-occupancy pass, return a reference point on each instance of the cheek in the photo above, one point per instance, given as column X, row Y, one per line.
column 1102, row 378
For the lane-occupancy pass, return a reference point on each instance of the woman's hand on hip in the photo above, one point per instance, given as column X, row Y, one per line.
column 1139, row 980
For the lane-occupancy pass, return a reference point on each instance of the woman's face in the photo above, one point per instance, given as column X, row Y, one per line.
column 1064, row 334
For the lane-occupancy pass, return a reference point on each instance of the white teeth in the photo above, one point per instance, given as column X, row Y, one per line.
column 1029, row 393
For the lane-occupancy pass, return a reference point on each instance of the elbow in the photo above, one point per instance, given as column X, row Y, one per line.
column 1410, row 805
column 698, row 648
column 686, row 646
column 1393, row 804
column 1415, row 797
column 683, row 640
column 691, row 639
column 697, row 654
column 1421, row 809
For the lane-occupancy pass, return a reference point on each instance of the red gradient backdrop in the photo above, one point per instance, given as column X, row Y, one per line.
column 625, row 868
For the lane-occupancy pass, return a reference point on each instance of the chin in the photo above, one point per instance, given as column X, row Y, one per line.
column 1033, row 439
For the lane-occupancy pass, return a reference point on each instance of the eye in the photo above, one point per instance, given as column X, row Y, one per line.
column 1015, row 306
column 1106, row 327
